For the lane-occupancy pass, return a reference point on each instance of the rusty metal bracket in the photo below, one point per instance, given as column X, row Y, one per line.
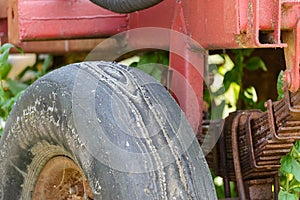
column 292, row 51
column 272, row 121
column 287, row 97
column 254, row 24
column 258, row 140
column 236, row 157
column 255, row 115
column 260, row 189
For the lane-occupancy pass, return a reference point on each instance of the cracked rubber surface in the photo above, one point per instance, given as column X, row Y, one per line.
column 135, row 142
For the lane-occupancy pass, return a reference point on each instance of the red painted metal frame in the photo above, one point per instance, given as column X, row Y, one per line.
column 56, row 19
column 242, row 24
column 214, row 24
column 3, row 30
column 191, row 71
column 290, row 21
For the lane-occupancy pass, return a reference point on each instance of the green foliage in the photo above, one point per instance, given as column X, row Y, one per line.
column 247, row 98
column 219, row 185
column 284, row 195
column 6, row 99
column 233, row 95
column 290, row 174
column 290, row 163
column 10, row 90
column 255, row 63
column 153, row 63
column 280, row 86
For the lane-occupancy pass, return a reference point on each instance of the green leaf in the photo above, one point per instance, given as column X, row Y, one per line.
column 19, row 49
column 154, row 57
column 295, row 189
column 247, row 52
column 296, row 169
column 217, row 93
column 255, row 63
column 155, row 70
column 286, row 164
column 4, row 57
column 16, row 87
column 153, row 63
column 242, row 52
column 4, row 53
column 295, row 153
column 294, row 186
column 207, row 97
column 297, row 145
column 217, row 111
column 148, row 58
column 279, row 86
column 9, row 103
column 231, row 76
column 46, row 65
column 4, row 70
column 250, row 94
column 9, row 46
column 290, row 165
column 284, row 195
column 6, row 47
column 134, row 64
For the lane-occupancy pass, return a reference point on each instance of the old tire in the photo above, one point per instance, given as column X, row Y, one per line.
column 104, row 131
column 125, row 6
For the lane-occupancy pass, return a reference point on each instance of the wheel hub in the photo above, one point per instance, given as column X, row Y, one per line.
column 62, row 179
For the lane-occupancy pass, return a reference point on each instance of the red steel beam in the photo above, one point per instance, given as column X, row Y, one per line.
column 3, row 7
column 214, row 24
column 290, row 14
column 187, row 64
column 55, row 19
column 160, row 15
column 3, row 30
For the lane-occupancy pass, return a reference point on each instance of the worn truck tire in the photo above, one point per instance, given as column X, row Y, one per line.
column 125, row 6
column 99, row 130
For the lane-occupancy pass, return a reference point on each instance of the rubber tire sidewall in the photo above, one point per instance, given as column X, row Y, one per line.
column 42, row 119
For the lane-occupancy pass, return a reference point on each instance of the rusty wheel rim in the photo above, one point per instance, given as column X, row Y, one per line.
column 62, row 179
